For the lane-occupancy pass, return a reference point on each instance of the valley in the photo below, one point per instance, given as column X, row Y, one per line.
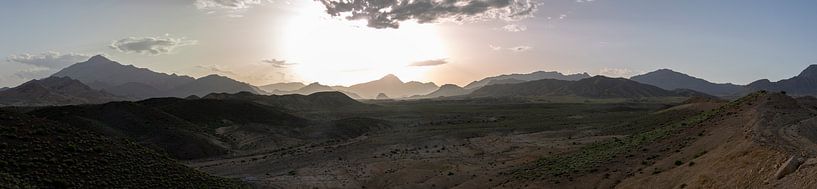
column 435, row 145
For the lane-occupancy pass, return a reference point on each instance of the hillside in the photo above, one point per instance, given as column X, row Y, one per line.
column 518, row 78
column 39, row 153
column 594, row 87
column 671, row 80
column 803, row 84
column 156, row 129
column 54, row 91
column 763, row 140
column 314, row 101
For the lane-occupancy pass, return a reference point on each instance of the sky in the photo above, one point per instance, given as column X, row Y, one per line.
column 346, row 42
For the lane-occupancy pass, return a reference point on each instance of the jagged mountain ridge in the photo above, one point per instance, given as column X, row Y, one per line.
column 594, row 87
column 517, row 78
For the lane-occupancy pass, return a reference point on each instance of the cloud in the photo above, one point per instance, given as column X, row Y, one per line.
column 232, row 8
column 435, row 62
column 50, row 60
column 617, row 72
column 521, row 48
column 278, row 63
column 515, row 28
column 389, row 13
column 227, row 4
column 34, row 73
column 150, row 45
column 217, row 69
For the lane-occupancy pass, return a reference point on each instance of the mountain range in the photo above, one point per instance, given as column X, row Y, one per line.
column 140, row 83
column 803, row 84
column 594, row 87
column 671, row 80
column 290, row 86
column 391, row 86
column 518, row 78
column 100, row 80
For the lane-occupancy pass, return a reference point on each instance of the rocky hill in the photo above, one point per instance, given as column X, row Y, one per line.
column 54, row 91
column 39, row 153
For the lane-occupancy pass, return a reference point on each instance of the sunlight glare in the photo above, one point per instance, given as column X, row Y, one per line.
column 335, row 51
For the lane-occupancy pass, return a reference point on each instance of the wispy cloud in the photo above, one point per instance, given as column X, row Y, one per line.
column 435, row 62
column 216, row 69
column 278, row 63
column 389, row 14
column 617, row 72
column 232, row 8
column 515, row 28
column 521, row 48
column 150, row 45
column 50, row 60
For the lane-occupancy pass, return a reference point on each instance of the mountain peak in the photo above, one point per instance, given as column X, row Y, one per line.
column 99, row 58
column 391, row 77
column 810, row 71
column 213, row 76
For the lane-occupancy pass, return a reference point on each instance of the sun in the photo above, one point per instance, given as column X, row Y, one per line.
column 336, row 51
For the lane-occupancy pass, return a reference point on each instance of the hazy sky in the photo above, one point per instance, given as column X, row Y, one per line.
column 263, row 42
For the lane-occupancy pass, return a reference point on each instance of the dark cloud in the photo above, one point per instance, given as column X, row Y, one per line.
column 389, row 13
column 521, row 48
column 436, row 62
column 278, row 63
column 50, row 60
column 150, row 45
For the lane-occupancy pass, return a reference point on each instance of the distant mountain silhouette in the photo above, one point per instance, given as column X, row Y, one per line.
column 312, row 88
column 594, row 87
column 391, row 86
column 518, row 78
column 213, row 84
column 272, row 88
column 671, row 80
column 803, row 84
column 446, row 90
column 316, row 88
column 4, row 88
column 140, row 83
column 54, row 91
column 101, row 73
column 381, row 96
column 316, row 101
